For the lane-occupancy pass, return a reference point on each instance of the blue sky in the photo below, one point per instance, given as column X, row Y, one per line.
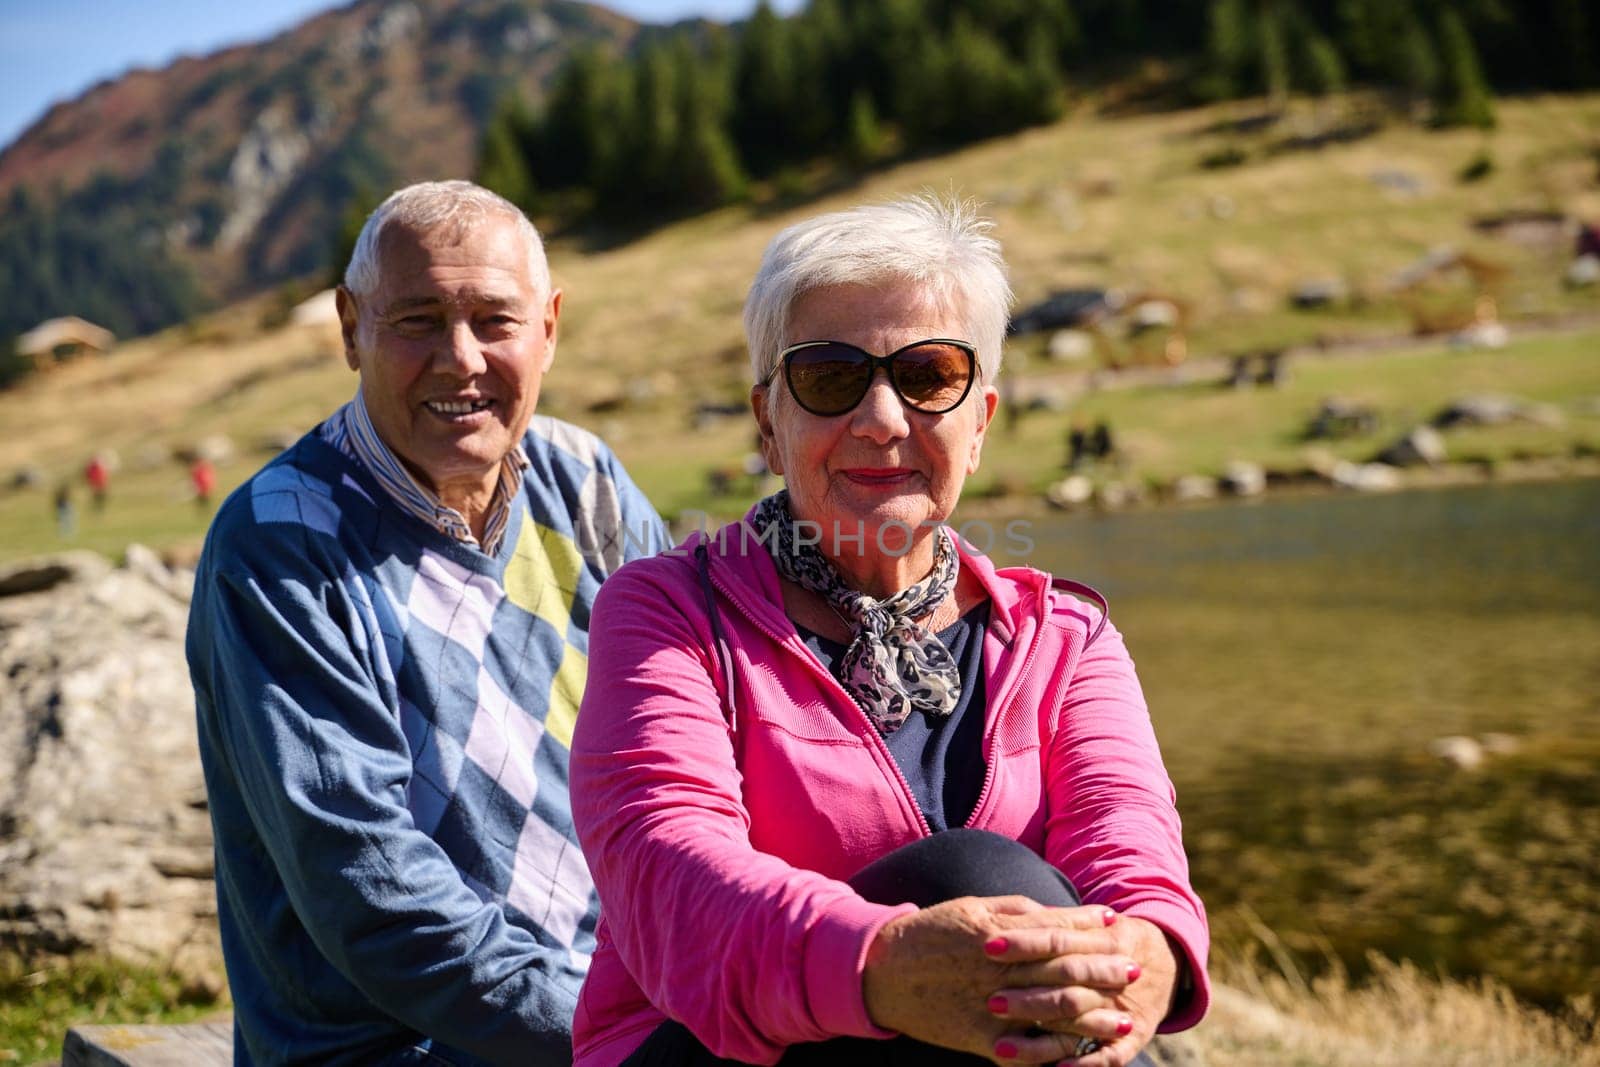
column 52, row 50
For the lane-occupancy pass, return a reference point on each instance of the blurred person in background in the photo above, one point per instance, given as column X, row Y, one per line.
column 97, row 472
column 850, row 793
column 66, row 512
column 203, row 477
column 388, row 641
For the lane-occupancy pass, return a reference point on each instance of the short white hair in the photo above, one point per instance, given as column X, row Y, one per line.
column 429, row 206
column 939, row 244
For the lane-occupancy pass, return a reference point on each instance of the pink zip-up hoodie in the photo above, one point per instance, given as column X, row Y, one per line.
column 724, row 784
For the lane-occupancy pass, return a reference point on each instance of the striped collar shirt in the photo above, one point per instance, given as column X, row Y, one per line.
column 350, row 430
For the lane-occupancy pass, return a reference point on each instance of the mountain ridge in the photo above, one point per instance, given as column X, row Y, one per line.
column 242, row 162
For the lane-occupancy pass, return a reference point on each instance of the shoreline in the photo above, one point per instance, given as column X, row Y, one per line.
column 1287, row 484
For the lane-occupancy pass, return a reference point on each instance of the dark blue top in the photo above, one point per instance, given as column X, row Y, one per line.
column 941, row 759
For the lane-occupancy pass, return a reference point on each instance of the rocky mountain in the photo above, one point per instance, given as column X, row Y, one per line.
column 236, row 168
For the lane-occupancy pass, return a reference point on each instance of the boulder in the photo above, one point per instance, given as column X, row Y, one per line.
column 1583, row 272
column 105, row 843
column 46, row 572
column 1401, row 184
column 1488, row 410
column 276, row 441
column 1154, row 314
column 1073, row 491
column 1116, row 495
column 1316, row 293
column 1242, row 478
column 1071, row 345
column 1462, row 753
column 1498, row 744
column 29, row 477
column 216, row 448
column 1366, row 477
column 145, row 563
column 1423, row 446
column 1494, row 410
column 1481, row 335
column 1194, row 487
column 1338, row 418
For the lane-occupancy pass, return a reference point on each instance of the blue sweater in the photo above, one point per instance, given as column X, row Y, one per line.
column 384, row 721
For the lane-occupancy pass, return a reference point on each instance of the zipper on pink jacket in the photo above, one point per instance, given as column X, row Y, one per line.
column 872, row 731
column 993, row 726
column 1078, row 589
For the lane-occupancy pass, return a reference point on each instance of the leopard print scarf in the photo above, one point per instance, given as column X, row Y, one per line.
column 893, row 665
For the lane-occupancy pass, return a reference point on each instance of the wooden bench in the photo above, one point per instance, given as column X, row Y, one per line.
column 207, row 1044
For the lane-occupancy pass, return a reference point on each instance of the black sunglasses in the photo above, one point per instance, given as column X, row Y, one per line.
column 830, row 377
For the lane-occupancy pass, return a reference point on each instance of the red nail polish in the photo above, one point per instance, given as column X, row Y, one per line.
column 997, row 1004
column 1005, row 1050
column 1124, row 1026
column 1134, row 972
column 1109, row 916
column 996, row 946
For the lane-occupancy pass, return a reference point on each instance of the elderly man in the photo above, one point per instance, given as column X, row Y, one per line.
column 388, row 644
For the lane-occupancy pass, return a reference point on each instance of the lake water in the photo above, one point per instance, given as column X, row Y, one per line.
column 1300, row 654
column 1336, row 622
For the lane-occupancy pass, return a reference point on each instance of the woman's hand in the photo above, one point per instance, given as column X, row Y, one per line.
column 1055, row 989
column 931, row 974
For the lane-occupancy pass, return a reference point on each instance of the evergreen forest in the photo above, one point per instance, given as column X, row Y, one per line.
column 699, row 115
column 690, row 120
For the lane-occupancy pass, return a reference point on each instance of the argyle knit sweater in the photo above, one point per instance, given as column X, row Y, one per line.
column 385, row 716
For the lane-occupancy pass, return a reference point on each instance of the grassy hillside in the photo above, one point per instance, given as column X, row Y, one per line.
column 651, row 328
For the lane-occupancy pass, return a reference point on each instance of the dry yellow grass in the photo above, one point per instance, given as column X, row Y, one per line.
column 1265, row 1017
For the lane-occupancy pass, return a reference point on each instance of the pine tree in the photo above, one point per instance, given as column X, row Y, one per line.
column 1463, row 97
column 1228, row 50
column 1415, row 66
column 578, row 131
column 826, row 71
column 1057, row 18
column 502, row 157
column 1575, row 22
column 1272, row 54
column 702, row 168
column 765, row 87
column 616, row 139
column 1368, row 35
column 1041, row 86
column 924, row 91
column 867, row 143
column 1323, row 69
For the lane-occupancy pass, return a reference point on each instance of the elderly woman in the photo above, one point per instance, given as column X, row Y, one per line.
column 840, row 781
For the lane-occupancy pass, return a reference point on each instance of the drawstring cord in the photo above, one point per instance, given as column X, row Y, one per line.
column 1086, row 592
column 723, row 653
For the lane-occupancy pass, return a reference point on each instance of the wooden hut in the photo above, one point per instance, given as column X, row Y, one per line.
column 59, row 340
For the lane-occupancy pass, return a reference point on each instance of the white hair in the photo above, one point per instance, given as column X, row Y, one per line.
column 429, row 206
column 940, row 245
